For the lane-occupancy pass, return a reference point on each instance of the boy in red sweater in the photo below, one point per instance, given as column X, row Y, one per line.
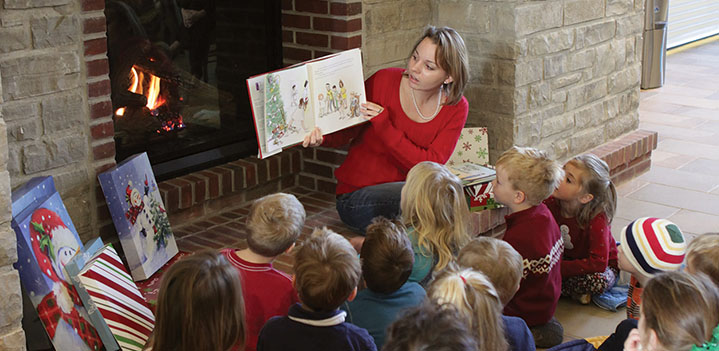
column 525, row 177
column 273, row 226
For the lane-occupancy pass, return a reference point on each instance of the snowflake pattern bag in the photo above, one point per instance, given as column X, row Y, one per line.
column 139, row 216
column 472, row 147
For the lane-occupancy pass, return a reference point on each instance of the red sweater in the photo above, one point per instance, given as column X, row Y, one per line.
column 535, row 235
column 588, row 250
column 385, row 149
column 267, row 292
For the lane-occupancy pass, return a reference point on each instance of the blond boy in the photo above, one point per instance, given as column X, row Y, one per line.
column 327, row 272
column 502, row 265
column 273, row 225
column 525, row 177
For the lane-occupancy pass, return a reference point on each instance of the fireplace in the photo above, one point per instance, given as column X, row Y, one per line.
column 178, row 70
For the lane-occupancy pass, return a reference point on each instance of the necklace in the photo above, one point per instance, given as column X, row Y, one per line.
column 436, row 111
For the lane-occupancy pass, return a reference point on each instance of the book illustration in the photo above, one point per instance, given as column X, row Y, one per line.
column 285, row 108
column 47, row 240
column 354, row 106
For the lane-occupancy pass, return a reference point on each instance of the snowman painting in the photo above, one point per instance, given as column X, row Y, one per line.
column 138, row 215
column 65, row 320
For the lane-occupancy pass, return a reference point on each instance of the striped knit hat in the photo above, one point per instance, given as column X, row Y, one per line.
column 653, row 245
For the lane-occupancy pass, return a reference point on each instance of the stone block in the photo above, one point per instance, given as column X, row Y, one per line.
column 11, row 301
column 506, row 72
column 39, row 74
column 540, row 94
column 31, row 4
column 611, row 106
column 577, row 11
column 484, row 71
column 554, row 120
column 75, row 179
column 629, row 25
column 586, row 93
column 528, row 72
column 13, row 162
column 559, row 149
column 549, row 43
column 605, row 60
column 12, row 18
column 14, row 340
column 495, row 48
column 54, row 31
column 619, row 7
column 618, row 50
column 590, row 116
column 389, row 47
column 20, row 110
column 629, row 49
column 8, row 241
column 586, row 139
column 622, row 124
column 534, row 17
column 54, row 153
column 555, row 65
column 527, row 132
column 79, row 209
column 416, row 15
column 13, row 39
column 566, row 80
column 503, row 18
column 3, row 146
column 520, row 97
column 62, row 112
column 5, row 200
column 559, row 96
column 595, row 33
column 472, row 16
column 29, row 129
column 625, row 79
column 581, row 59
column 381, row 18
column 496, row 100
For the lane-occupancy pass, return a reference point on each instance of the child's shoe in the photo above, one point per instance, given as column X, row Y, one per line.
column 549, row 334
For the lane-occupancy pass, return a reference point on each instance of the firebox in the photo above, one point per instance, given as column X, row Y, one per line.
column 177, row 72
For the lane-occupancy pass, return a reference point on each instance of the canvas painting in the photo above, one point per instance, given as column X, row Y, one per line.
column 46, row 241
column 139, row 215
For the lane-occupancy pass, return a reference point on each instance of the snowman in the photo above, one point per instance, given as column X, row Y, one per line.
column 138, row 213
column 54, row 244
column 146, row 226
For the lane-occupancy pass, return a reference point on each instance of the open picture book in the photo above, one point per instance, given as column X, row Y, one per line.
column 288, row 104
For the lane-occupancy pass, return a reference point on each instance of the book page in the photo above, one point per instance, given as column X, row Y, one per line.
column 256, row 88
column 288, row 117
column 338, row 90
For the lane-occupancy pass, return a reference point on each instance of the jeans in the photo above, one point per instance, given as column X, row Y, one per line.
column 358, row 208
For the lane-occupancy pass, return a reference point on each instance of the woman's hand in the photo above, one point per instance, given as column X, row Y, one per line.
column 633, row 342
column 313, row 139
column 369, row 110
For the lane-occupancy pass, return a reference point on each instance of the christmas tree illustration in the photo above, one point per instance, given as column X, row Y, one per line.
column 275, row 109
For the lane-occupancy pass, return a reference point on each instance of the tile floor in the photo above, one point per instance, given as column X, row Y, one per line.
column 682, row 185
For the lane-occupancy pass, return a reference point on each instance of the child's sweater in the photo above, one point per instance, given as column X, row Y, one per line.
column 588, row 250
column 535, row 235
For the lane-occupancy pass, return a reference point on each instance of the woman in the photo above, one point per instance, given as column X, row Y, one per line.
column 416, row 115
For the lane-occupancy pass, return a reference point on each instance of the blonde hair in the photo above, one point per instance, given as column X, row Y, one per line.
column 532, row 172
column 433, row 203
column 274, row 224
column 451, row 56
column 595, row 180
column 200, row 306
column 703, row 256
column 327, row 270
column 682, row 309
column 498, row 260
column 477, row 301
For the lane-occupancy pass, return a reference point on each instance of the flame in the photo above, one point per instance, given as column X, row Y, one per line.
column 151, row 91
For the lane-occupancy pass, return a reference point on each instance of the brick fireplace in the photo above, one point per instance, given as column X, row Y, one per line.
column 562, row 75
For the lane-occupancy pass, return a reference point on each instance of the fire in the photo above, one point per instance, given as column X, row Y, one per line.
column 140, row 85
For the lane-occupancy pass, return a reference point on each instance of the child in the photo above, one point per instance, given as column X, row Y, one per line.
column 200, row 306
column 648, row 246
column 583, row 206
column 327, row 271
column 430, row 327
column 679, row 312
column 525, row 177
column 502, row 265
column 436, row 214
column 477, row 301
column 273, row 225
column 703, row 256
column 386, row 264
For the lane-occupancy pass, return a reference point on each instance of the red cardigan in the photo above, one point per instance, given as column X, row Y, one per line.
column 535, row 235
column 385, row 149
column 588, row 250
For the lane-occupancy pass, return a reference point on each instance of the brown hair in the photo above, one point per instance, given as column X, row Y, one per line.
column 477, row 301
column 595, row 180
column 327, row 270
column 703, row 256
column 532, row 172
column 433, row 204
column 681, row 309
column 498, row 260
column 274, row 224
column 200, row 306
column 430, row 327
column 387, row 256
column 451, row 56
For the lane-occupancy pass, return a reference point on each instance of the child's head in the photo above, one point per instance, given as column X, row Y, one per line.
column 586, row 181
column 477, row 301
column 498, row 260
column 650, row 246
column 433, row 203
column 430, row 327
column 200, row 306
column 703, row 256
column 525, row 175
column 274, row 224
column 387, row 256
column 327, row 271
column 678, row 310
